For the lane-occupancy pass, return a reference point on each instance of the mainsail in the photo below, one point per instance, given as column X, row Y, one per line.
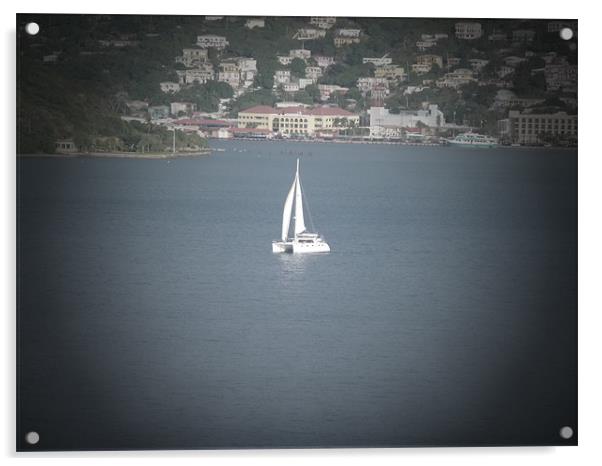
column 299, row 219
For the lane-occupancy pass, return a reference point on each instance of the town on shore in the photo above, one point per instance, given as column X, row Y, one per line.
column 159, row 85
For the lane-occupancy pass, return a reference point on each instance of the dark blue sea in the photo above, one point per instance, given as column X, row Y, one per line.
column 153, row 314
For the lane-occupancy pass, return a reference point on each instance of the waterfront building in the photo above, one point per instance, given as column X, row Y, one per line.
column 429, row 116
column 532, row 128
column 212, row 41
column 296, row 120
column 468, row 30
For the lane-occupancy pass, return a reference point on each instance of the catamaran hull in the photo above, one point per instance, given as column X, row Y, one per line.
column 281, row 246
column 308, row 248
column 299, row 248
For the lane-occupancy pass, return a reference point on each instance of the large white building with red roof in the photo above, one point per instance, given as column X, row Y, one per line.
column 297, row 120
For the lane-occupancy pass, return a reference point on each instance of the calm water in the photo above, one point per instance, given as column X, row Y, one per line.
column 154, row 314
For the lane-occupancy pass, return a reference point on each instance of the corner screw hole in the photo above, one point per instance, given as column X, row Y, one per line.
column 566, row 33
column 32, row 28
column 566, row 432
column 32, row 437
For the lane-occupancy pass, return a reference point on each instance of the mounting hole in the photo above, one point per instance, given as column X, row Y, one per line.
column 566, row 33
column 566, row 432
column 32, row 28
column 32, row 437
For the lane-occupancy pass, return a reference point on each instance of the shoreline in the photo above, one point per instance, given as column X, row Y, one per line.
column 123, row 155
column 388, row 143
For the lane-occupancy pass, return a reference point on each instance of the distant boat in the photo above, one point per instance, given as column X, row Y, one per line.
column 473, row 140
column 301, row 241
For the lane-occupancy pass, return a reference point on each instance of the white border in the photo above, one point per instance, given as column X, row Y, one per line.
column 590, row 260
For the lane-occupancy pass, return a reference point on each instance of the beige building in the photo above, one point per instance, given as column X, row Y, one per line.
column 298, row 120
column 531, row 128
column 391, row 72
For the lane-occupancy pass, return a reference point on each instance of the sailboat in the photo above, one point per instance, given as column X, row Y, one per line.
column 302, row 241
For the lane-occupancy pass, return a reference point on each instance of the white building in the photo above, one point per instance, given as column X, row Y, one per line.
column 477, row 64
column 468, row 30
column 391, row 72
column 324, row 62
column 309, row 34
column 313, row 72
column 229, row 73
column 378, row 61
column 371, row 84
column 254, row 23
column 304, row 82
column 282, row 77
column 291, row 87
column 429, row 116
column 284, row 59
column 349, row 32
column 323, row 22
column 212, row 41
column 177, row 108
column 303, row 54
column 456, row 78
column 326, row 90
column 192, row 56
column 169, row 87
column 423, row 45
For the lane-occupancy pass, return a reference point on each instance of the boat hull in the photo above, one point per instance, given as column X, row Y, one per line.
column 468, row 144
column 282, row 246
column 300, row 247
column 309, row 248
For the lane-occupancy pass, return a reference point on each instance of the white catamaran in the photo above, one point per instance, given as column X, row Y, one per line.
column 302, row 240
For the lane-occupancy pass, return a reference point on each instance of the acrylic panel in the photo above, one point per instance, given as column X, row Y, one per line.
column 295, row 232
